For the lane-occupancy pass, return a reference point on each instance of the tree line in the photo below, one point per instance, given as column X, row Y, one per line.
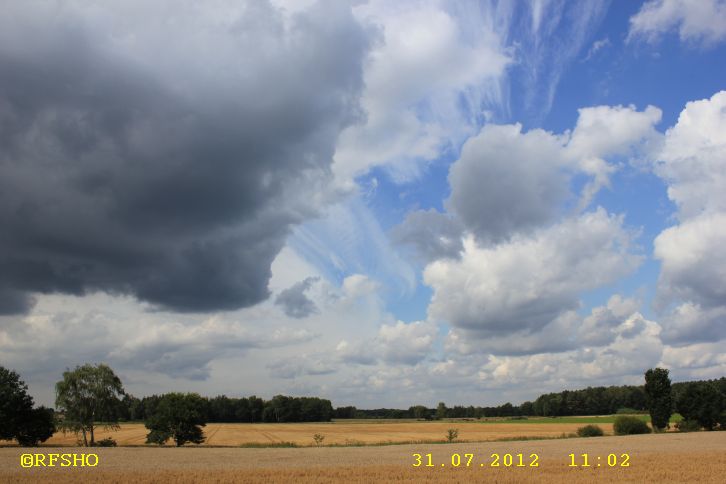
column 587, row 401
column 91, row 396
column 223, row 409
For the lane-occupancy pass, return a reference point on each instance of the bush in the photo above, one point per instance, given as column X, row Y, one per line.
column 629, row 411
column 590, row 431
column 451, row 435
column 625, row 425
column 107, row 442
column 688, row 426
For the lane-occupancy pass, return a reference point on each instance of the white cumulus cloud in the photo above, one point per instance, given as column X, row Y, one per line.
column 528, row 282
column 696, row 20
column 693, row 264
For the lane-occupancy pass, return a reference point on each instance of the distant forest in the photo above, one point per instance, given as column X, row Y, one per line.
column 587, row 401
column 227, row 409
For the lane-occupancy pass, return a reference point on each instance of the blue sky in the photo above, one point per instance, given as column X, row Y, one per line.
column 384, row 204
column 606, row 70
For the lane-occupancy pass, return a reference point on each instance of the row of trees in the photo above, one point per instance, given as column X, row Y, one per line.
column 442, row 411
column 588, row 401
column 89, row 396
column 92, row 394
column 704, row 400
column 221, row 408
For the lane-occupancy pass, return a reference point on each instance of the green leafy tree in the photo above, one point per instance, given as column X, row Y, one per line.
column 14, row 399
column 18, row 419
column 256, row 408
column 441, row 410
column 527, row 408
column 86, row 395
column 419, row 411
column 38, row 425
column 700, row 402
column 658, row 397
column 178, row 416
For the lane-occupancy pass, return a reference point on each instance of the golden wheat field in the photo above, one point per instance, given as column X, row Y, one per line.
column 343, row 433
column 671, row 457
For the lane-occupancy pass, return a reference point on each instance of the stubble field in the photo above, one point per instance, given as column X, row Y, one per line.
column 347, row 432
column 672, row 457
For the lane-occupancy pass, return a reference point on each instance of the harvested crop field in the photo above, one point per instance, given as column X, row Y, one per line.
column 672, row 457
column 345, row 433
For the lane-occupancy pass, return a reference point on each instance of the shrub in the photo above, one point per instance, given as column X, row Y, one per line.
column 590, row 431
column 688, row 426
column 628, row 411
column 451, row 435
column 318, row 438
column 107, row 442
column 625, row 425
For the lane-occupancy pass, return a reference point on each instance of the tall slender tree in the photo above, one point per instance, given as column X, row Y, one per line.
column 658, row 397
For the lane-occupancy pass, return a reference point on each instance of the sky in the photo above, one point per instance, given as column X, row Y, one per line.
column 379, row 203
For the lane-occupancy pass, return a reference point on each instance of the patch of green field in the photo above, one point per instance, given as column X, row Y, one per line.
column 590, row 419
column 605, row 419
column 601, row 419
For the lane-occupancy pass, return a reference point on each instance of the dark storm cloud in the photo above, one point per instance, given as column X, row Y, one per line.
column 294, row 302
column 166, row 160
column 507, row 182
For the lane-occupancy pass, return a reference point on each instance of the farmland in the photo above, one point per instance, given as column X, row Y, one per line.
column 357, row 432
column 670, row 457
